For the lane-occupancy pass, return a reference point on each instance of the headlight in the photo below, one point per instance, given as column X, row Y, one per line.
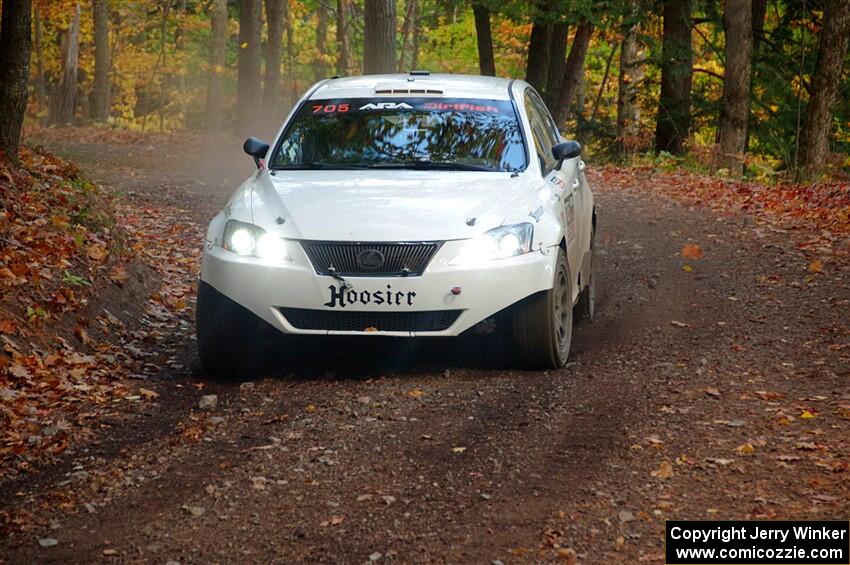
column 247, row 239
column 498, row 243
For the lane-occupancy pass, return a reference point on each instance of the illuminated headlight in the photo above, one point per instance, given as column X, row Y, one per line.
column 498, row 243
column 247, row 239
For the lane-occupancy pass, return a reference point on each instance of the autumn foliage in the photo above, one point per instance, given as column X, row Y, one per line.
column 73, row 286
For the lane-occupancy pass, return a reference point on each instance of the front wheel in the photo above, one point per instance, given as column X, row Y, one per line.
column 543, row 322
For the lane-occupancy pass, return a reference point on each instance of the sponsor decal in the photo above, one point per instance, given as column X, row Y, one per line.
column 340, row 297
column 333, row 107
column 386, row 106
column 570, row 217
column 537, row 214
column 459, row 107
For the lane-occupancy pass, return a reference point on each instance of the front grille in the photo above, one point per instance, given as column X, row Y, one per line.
column 331, row 320
column 370, row 259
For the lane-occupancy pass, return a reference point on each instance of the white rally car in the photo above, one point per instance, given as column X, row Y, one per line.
column 403, row 205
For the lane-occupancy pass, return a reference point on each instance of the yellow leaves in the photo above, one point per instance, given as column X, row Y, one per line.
column 310, row 408
column 816, row 266
column 664, row 471
column 687, row 268
column 244, row 45
column 458, row 449
column 692, row 251
column 415, row 393
column 745, row 449
column 806, row 415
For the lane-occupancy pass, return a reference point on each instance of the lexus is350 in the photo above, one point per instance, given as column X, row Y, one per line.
column 403, row 205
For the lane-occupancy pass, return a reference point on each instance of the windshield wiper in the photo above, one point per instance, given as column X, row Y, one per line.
column 318, row 167
column 425, row 165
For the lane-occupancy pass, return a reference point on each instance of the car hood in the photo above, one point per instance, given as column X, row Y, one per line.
column 390, row 205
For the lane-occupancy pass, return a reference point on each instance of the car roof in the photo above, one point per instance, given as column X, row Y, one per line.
column 414, row 84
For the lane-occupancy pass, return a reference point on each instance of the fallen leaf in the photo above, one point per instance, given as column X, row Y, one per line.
column 745, row 449
column 806, row 415
column 678, row 324
column 416, row 393
column 148, row 394
column 816, row 266
column 97, row 253
column 458, row 449
column 664, row 471
column 119, row 275
column 692, row 251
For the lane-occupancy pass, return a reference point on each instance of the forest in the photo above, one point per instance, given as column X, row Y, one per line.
column 692, row 296
column 755, row 86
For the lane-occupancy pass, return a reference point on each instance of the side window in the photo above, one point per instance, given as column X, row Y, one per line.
column 543, row 140
column 547, row 117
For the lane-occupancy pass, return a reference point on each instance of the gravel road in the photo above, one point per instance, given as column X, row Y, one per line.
column 392, row 451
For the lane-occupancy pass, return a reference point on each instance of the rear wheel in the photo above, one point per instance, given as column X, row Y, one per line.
column 543, row 323
column 586, row 304
column 232, row 342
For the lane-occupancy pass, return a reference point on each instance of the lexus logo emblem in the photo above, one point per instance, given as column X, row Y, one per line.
column 370, row 259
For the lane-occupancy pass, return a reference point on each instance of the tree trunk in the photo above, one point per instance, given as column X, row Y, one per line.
column 631, row 74
column 735, row 110
column 379, row 37
column 100, row 89
column 218, row 50
column 417, row 37
column 673, row 122
column 557, row 62
column 406, row 33
column 581, row 87
column 248, row 66
column 64, row 102
column 825, row 82
column 15, row 45
column 343, row 61
column 289, row 60
column 573, row 70
column 537, row 68
column 40, row 87
column 319, row 65
column 274, row 53
column 759, row 12
column 486, row 62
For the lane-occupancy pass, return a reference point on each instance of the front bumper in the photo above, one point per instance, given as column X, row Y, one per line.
column 485, row 289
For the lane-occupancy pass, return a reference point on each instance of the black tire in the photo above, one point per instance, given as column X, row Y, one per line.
column 586, row 305
column 232, row 341
column 543, row 323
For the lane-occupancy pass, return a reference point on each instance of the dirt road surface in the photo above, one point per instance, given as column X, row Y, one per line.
column 711, row 388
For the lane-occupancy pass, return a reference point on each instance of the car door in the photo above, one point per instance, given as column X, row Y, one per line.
column 563, row 177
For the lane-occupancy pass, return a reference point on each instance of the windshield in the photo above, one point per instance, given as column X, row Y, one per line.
column 414, row 133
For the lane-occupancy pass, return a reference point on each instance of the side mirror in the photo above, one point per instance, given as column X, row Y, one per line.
column 256, row 148
column 566, row 150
